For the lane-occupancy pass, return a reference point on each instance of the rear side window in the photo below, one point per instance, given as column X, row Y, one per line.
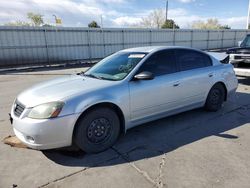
column 160, row 63
column 190, row 59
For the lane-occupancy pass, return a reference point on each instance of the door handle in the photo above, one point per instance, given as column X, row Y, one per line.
column 210, row 75
column 176, row 84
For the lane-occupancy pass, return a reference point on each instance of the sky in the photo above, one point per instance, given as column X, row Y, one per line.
column 124, row 13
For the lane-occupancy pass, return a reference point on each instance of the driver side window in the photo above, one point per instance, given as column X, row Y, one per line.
column 160, row 63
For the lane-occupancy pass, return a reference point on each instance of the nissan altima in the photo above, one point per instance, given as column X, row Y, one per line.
column 128, row 88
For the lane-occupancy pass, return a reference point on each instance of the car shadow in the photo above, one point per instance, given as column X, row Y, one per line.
column 162, row 136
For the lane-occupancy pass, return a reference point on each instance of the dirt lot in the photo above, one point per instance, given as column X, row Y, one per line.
column 192, row 149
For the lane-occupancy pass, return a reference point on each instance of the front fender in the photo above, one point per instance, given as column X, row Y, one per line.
column 118, row 96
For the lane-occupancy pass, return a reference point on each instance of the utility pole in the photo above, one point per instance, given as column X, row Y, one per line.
column 248, row 15
column 167, row 10
column 101, row 22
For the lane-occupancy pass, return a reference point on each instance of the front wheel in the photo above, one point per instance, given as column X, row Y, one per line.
column 215, row 98
column 97, row 130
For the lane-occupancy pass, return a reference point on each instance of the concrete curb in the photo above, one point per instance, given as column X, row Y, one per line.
column 47, row 67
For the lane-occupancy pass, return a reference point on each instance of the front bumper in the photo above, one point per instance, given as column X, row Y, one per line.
column 46, row 133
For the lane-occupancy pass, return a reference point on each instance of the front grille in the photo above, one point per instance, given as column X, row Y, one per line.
column 242, row 51
column 18, row 108
column 237, row 57
column 241, row 57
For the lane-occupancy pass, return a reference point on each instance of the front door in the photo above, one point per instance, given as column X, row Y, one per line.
column 151, row 97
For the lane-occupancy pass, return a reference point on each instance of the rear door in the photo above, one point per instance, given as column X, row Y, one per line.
column 196, row 76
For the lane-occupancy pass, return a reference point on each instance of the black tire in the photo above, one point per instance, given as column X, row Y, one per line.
column 215, row 98
column 97, row 130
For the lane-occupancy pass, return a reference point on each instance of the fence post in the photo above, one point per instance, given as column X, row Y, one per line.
column 150, row 37
column 104, row 45
column 89, row 46
column 123, row 39
column 46, row 44
column 208, row 38
column 192, row 38
column 222, row 40
column 235, row 38
column 173, row 37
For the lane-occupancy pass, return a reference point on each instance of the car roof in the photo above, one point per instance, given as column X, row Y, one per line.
column 149, row 49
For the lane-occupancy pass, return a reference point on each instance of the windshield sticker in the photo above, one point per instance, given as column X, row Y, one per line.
column 136, row 56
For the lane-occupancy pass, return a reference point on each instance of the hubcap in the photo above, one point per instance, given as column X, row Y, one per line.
column 99, row 130
column 215, row 96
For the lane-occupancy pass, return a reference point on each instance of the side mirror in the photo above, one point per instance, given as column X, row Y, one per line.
column 239, row 43
column 145, row 75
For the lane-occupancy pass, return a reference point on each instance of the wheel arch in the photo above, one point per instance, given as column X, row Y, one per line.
column 110, row 105
column 224, row 86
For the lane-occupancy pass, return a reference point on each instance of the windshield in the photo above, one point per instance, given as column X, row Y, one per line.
column 115, row 67
column 246, row 42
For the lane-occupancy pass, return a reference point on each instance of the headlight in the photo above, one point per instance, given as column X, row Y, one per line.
column 47, row 110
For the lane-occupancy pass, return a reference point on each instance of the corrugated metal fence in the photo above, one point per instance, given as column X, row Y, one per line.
column 38, row 45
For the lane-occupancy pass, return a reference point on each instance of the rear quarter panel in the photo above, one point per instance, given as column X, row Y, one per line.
column 225, row 73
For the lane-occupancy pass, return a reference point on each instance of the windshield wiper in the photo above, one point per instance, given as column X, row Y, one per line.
column 93, row 76
column 88, row 75
column 80, row 73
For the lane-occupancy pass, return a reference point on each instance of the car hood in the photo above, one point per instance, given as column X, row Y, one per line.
column 239, row 50
column 59, row 89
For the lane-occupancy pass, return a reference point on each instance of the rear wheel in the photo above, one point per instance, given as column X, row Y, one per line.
column 97, row 130
column 215, row 98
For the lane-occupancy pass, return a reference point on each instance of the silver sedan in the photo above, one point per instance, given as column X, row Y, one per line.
column 126, row 89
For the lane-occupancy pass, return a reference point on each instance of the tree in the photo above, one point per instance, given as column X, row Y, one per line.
column 225, row 27
column 209, row 24
column 17, row 23
column 36, row 19
column 157, row 19
column 170, row 24
column 154, row 20
column 93, row 24
column 47, row 25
